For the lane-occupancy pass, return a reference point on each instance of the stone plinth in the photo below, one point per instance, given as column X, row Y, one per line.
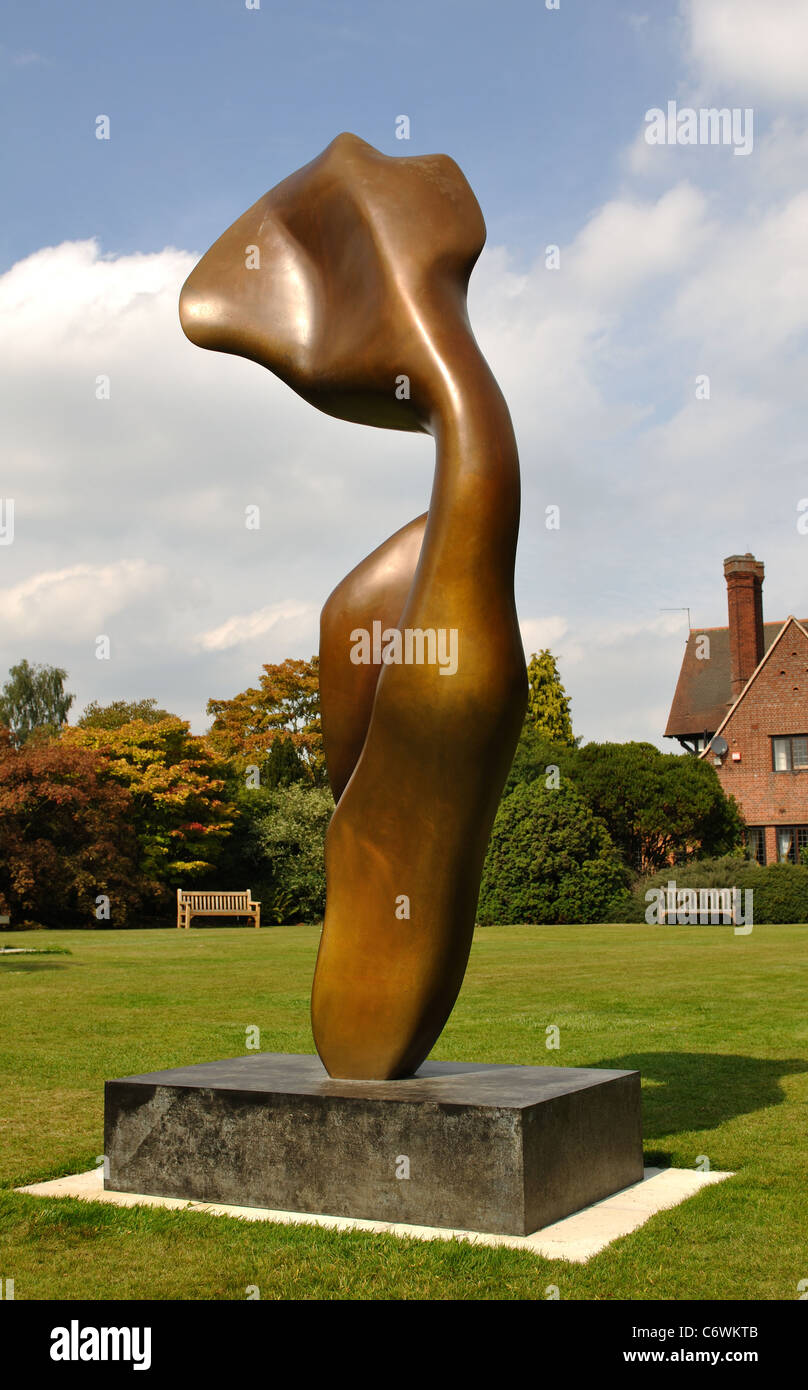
column 470, row 1146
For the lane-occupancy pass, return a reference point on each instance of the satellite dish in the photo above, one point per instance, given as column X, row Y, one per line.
column 719, row 746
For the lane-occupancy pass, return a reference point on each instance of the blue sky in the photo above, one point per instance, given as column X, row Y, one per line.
column 212, row 102
column 675, row 263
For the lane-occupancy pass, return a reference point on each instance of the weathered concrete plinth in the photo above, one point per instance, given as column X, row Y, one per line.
column 475, row 1147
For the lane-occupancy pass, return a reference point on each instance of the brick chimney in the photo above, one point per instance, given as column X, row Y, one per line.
column 744, row 576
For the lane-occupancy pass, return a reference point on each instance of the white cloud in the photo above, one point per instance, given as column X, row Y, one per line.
column 75, row 602
column 630, row 242
column 756, row 48
column 74, row 290
column 25, row 58
column 279, row 619
column 749, row 297
column 540, row 633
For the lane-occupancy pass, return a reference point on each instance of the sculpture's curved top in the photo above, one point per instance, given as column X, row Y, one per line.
column 363, row 262
column 346, row 280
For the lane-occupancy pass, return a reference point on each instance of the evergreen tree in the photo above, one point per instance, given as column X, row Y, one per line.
column 549, row 859
column 283, row 765
column 548, row 706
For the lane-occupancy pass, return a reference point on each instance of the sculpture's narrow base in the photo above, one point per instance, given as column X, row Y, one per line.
column 475, row 1147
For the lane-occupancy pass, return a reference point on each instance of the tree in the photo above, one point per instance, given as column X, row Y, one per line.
column 66, row 838
column 549, row 860
column 176, row 782
column 660, row 808
column 34, row 698
column 548, row 705
column 120, row 712
column 284, row 764
column 283, row 851
column 536, row 755
column 285, row 706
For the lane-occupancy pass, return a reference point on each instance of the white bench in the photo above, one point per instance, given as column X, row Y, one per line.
column 215, row 905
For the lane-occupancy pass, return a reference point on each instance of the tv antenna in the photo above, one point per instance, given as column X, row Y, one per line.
column 679, row 610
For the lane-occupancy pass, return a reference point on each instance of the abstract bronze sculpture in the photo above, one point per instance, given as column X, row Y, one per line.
column 348, row 281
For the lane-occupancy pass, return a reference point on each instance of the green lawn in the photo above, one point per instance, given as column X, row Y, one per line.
column 717, row 1024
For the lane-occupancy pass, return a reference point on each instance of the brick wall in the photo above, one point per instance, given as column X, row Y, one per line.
column 777, row 703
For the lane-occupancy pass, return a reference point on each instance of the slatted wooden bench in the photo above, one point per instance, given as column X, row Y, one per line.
column 215, row 905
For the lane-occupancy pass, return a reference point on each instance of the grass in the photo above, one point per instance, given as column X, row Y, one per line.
column 717, row 1025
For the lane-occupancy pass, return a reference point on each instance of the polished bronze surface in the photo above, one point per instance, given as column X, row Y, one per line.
column 348, row 280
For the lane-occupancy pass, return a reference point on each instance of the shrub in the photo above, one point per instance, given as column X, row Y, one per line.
column 781, row 893
column 283, row 849
column 780, row 890
column 549, row 860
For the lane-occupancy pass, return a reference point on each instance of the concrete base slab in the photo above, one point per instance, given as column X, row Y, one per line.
column 469, row 1146
column 576, row 1239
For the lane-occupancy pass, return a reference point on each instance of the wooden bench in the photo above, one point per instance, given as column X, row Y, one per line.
column 215, row 905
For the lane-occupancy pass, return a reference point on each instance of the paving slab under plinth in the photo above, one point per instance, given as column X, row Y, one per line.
column 577, row 1238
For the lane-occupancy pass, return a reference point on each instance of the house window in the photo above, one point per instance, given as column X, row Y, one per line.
column 756, row 842
column 790, row 754
column 792, row 844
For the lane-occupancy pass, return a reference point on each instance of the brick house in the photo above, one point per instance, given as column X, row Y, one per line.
column 742, row 701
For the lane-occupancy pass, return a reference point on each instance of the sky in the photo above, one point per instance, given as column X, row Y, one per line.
column 655, row 367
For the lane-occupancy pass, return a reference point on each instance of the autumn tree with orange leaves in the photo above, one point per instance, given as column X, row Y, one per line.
column 283, row 708
column 68, row 850
column 177, row 784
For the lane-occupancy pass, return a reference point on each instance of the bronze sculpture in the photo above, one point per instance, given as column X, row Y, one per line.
column 348, row 280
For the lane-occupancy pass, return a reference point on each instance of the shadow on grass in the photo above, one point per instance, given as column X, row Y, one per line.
column 700, row 1090
column 15, row 964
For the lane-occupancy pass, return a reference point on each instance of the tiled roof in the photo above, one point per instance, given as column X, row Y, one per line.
column 704, row 690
